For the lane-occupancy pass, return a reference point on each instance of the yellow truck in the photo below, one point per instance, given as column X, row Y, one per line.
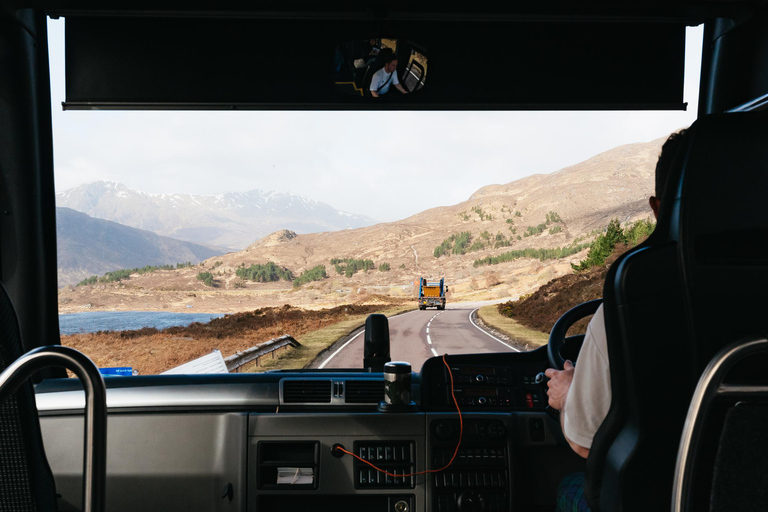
column 432, row 293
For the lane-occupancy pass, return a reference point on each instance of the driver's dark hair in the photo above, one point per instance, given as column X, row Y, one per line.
column 669, row 151
column 387, row 55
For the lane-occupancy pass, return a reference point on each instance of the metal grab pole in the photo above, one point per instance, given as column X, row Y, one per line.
column 95, row 443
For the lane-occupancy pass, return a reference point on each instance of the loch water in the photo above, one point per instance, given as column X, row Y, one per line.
column 74, row 323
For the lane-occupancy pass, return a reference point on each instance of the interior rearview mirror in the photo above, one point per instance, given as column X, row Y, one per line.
column 378, row 68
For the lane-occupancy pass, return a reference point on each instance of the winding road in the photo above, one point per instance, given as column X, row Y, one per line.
column 418, row 335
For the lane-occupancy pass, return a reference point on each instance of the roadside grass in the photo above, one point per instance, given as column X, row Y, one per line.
column 314, row 342
column 491, row 316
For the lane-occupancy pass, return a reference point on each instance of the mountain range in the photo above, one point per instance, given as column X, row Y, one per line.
column 567, row 208
column 88, row 246
column 232, row 220
column 583, row 198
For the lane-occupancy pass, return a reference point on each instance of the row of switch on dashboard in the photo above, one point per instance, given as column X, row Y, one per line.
column 385, row 453
column 470, row 456
column 471, row 480
column 481, row 379
column 373, row 478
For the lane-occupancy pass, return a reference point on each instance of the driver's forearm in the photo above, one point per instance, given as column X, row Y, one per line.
column 580, row 450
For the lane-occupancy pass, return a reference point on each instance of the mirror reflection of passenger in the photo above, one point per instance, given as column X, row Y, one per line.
column 386, row 77
column 372, row 49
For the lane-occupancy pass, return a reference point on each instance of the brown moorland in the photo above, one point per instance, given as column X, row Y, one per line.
column 541, row 309
column 152, row 351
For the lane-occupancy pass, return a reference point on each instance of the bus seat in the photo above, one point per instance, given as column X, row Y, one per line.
column 672, row 302
column 26, row 481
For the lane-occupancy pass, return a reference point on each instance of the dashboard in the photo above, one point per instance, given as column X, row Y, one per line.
column 271, row 441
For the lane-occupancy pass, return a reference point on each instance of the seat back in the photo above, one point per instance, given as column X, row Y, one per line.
column 631, row 461
column 26, row 481
column 722, row 460
column 723, row 231
column 671, row 303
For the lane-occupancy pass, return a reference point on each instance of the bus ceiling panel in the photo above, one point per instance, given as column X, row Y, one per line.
column 222, row 63
column 691, row 11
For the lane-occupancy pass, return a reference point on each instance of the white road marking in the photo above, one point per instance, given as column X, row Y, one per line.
column 489, row 334
column 429, row 339
column 340, row 349
column 322, row 365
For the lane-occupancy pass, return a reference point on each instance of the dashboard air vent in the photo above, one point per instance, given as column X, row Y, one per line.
column 364, row 391
column 306, row 391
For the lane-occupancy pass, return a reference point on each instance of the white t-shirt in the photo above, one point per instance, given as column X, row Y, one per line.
column 589, row 397
column 380, row 78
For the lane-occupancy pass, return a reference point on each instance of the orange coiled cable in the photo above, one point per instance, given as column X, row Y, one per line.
column 455, row 452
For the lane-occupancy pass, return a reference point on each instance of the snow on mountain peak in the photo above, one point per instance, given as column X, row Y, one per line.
column 228, row 219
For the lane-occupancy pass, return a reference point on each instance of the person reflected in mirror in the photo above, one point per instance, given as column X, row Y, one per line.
column 364, row 53
column 386, row 77
column 582, row 393
column 372, row 49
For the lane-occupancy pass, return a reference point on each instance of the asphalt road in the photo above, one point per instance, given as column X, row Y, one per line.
column 418, row 335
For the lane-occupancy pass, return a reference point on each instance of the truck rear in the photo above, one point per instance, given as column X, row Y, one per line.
column 431, row 294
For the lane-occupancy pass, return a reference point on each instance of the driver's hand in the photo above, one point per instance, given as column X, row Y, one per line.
column 559, row 384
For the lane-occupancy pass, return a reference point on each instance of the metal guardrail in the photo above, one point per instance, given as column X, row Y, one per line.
column 235, row 361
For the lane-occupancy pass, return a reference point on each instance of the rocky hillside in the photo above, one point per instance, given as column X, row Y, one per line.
column 528, row 220
column 499, row 218
column 88, row 246
column 232, row 220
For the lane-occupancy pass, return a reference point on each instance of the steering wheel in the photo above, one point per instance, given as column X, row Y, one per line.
column 557, row 336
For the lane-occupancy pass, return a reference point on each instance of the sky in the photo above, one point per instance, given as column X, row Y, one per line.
column 386, row 165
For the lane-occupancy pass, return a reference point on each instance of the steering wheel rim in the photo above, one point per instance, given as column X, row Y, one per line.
column 557, row 334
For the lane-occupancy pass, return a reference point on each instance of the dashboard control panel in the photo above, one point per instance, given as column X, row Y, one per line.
column 395, row 457
column 478, row 479
column 496, row 388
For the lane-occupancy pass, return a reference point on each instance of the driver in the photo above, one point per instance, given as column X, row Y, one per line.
column 583, row 396
column 386, row 76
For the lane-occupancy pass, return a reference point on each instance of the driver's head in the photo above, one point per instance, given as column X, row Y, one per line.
column 390, row 61
column 391, row 65
column 667, row 159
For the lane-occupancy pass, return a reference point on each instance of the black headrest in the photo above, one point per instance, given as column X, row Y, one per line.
column 723, row 228
column 725, row 180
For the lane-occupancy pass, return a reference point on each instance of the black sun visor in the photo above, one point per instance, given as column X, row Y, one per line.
column 282, row 64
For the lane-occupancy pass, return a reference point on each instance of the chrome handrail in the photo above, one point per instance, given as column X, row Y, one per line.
column 95, row 442
column 707, row 389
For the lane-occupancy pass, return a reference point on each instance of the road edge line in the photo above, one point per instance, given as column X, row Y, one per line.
column 489, row 334
column 328, row 359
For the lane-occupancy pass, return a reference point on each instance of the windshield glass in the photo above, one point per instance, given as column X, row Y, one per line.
column 195, row 241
